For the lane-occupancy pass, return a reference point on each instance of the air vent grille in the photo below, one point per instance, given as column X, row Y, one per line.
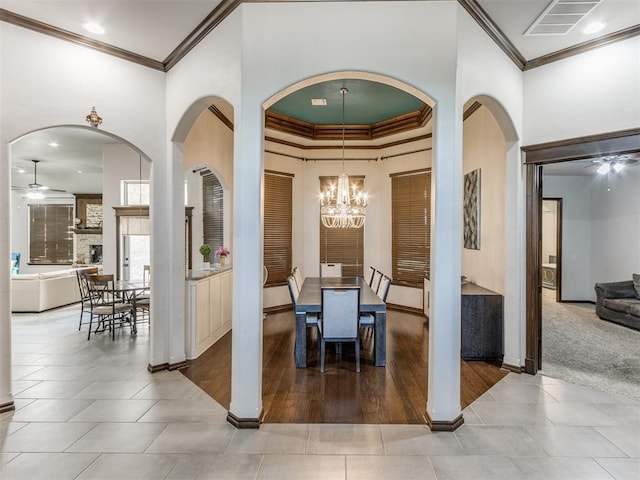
column 561, row 16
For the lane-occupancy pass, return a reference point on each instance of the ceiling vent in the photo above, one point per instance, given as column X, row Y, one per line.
column 561, row 16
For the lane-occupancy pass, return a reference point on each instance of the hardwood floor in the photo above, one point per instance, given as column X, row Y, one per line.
column 394, row 394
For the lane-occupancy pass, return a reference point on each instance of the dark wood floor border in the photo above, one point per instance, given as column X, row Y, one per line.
column 402, row 308
column 7, row 407
column 443, row 426
column 244, row 423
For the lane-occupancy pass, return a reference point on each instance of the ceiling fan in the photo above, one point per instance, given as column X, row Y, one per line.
column 35, row 190
column 613, row 163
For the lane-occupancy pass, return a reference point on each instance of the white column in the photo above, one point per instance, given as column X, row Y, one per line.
column 515, row 259
column 167, row 341
column 246, row 370
column 6, row 398
column 443, row 400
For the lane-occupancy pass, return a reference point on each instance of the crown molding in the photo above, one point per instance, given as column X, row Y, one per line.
column 222, row 11
column 36, row 26
column 401, row 123
column 221, row 116
column 488, row 25
column 395, row 143
column 618, row 36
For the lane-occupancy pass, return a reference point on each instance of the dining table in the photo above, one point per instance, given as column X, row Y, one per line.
column 130, row 291
column 309, row 301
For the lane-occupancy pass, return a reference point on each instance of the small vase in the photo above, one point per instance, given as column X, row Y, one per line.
column 223, row 260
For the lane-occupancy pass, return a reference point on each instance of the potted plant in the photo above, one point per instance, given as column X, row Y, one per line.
column 222, row 253
column 205, row 250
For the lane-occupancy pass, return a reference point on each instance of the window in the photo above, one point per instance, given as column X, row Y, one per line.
column 343, row 245
column 278, row 188
column 50, row 234
column 212, row 211
column 411, row 226
column 136, row 192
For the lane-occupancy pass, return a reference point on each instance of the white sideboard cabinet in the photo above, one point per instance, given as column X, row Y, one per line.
column 208, row 308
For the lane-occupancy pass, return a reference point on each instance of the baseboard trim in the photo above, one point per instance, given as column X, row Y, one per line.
column 7, row 407
column 177, row 366
column 157, row 368
column 402, row 308
column 443, row 425
column 243, row 423
column 578, row 301
column 512, row 368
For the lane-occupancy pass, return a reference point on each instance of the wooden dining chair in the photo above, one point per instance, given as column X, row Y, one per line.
column 338, row 323
column 106, row 305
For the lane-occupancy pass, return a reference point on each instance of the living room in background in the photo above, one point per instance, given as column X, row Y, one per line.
column 278, row 214
column 50, row 234
column 343, row 245
column 411, row 226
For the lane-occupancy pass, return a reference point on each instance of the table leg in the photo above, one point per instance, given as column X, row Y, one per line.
column 301, row 340
column 380, row 339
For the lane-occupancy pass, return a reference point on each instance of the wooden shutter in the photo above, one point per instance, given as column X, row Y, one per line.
column 278, row 189
column 411, row 226
column 212, row 212
column 343, row 245
column 50, row 234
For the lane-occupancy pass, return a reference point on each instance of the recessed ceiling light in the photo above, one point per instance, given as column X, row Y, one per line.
column 79, row 171
column 54, row 144
column 22, row 170
column 593, row 27
column 93, row 28
column 318, row 101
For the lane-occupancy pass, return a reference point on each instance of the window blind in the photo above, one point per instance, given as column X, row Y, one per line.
column 212, row 212
column 278, row 216
column 343, row 245
column 411, row 226
column 50, row 234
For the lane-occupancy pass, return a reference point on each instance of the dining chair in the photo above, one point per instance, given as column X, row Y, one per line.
column 331, row 269
column 372, row 273
column 84, row 291
column 338, row 323
column 297, row 275
column 369, row 319
column 375, row 281
column 106, row 305
column 311, row 318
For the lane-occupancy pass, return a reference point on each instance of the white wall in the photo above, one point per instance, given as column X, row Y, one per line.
column 600, row 229
column 575, row 192
column 590, row 93
column 484, row 149
column 615, row 227
column 549, row 229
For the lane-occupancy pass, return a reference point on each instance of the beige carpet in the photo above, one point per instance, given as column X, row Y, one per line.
column 579, row 347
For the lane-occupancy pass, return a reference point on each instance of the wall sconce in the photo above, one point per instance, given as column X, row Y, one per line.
column 93, row 118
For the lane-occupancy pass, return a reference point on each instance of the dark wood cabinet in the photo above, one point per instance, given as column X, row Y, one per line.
column 481, row 324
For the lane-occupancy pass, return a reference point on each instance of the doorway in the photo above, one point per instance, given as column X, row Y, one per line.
column 551, row 266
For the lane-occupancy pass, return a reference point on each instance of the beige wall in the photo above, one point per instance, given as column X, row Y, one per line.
column 484, row 148
column 549, row 229
column 209, row 143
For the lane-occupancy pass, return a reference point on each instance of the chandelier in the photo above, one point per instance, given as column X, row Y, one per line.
column 344, row 206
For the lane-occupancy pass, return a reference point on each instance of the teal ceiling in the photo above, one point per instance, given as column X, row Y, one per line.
column 366, row 103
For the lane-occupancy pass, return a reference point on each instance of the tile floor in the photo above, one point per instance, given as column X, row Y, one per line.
column 90, row 410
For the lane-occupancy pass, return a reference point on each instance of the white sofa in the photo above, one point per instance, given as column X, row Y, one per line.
column 37, row 292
